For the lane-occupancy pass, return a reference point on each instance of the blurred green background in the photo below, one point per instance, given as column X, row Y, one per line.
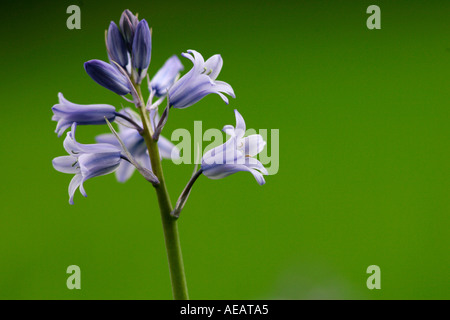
column 363, row 117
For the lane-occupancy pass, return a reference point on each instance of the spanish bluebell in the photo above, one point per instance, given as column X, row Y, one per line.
column 108, row 76
column 165, row 77
column 199, row 81
column 66, row 113
column 86, row 161
column 235, row 155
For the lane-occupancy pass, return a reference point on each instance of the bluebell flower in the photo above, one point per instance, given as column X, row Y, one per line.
column 236, row 154
column 116, row 46
column 199, row 81
column 108, row 76
column 128, row 23
column 66, row 113
column 135, row 144
column 86, row 161
column 165, row 77
column 141, row 50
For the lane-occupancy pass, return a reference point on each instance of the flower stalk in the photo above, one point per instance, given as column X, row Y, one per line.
column 185, row 195
column 170, row 226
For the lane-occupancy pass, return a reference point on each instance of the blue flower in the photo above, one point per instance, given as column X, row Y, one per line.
column 86, row 161
column 236, row 154
column 165, row 77
column 108, row 76
column 135, row 144
column 199, row 81
column 116, row 46
column 141, row 50
column 66, row 113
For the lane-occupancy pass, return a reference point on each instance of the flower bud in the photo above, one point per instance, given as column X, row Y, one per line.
column 142, row 48
column 128, row 23
column 107, row 76
column 117, row 49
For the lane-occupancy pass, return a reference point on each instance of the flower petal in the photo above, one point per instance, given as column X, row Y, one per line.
column 167, row 149
column 124, row 171
column 197, row 60
column 66, row 164
column 258, row 176
column 165, row 76
column 240, row 125
column 75, row 148
column 253, row 145
column 62, row 126
column 226, row 153
column 229, row 130
column 224, row 87
column 98, row 164
column 253, row 163
column 193, row 91
column 213, row 66
column 222, row 171
column 73, row 185
column 144, row 160
column 108, row 138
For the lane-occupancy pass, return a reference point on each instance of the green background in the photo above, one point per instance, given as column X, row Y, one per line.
column 363, row 117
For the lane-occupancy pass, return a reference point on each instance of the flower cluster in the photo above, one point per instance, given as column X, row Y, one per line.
column 129, row 48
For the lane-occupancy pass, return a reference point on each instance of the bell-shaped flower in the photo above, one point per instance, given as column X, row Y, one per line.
column 135, row 144
column 116, row 46
column 235, row 155
column 141, row 50
column 165, row 77
column 86, row 161
column 108, row 76
column 199, row 81
column 66, row 113
column 128, row 23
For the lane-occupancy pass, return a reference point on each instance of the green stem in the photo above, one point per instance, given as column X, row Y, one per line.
column 170, row 227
